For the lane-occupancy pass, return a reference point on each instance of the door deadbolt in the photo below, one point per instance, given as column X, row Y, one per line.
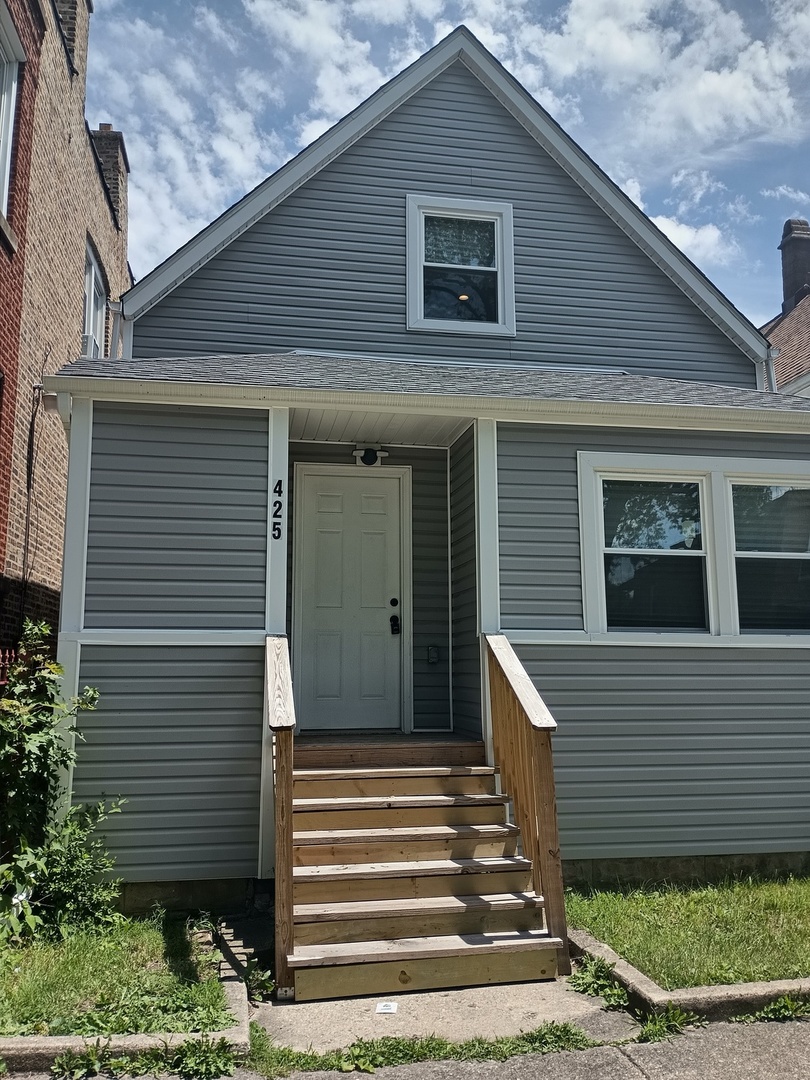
column 395, row 624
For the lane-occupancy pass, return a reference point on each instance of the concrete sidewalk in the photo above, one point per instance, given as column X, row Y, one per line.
column 721, row 1052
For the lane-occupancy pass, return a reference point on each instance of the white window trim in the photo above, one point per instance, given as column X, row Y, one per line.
column 418, row 206
column 12, row 55
column 715, row 477
column 95, row 307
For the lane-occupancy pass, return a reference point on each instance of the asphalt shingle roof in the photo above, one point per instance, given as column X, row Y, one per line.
column 353, row 374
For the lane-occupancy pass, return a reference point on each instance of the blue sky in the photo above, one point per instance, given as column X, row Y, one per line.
column 699, row 109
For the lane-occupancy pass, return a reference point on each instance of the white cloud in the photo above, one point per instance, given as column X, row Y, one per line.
column 739, row 210
column 632, row 188
column 705, row 245
column 785, row 192
column 206, row 19
column 693, row 187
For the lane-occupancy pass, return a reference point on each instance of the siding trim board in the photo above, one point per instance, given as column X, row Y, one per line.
column 459, row 45
column 585, row 413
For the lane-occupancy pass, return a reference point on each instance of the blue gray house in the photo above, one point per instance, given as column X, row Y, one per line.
column 429, row 442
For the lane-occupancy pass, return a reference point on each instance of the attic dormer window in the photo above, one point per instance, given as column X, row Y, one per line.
column 460, row 266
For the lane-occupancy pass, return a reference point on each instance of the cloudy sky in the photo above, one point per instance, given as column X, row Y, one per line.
column 699, row 109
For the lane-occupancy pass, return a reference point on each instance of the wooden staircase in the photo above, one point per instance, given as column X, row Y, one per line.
column 406, row 876
column 397, row 867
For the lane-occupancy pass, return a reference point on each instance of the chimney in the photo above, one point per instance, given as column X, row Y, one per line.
column 112, row 155
column 74, row 24
column 795, row 248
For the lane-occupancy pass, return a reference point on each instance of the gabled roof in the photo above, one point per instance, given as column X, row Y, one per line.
column 790, row 333
column 460, row 45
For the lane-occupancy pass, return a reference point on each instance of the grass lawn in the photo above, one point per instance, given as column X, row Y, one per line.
column 739, row 931
column 139, row 975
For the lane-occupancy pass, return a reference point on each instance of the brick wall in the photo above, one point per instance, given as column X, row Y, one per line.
column 71, row 206
column 13, row 231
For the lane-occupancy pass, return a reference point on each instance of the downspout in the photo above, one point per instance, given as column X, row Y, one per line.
column 770, row 373
column 115, row 336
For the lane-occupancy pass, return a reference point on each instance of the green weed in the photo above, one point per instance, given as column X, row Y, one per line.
column 594, row 977
column 194, row 1059
column 366, row 1055
column 671, row 1021
column 782, row 1009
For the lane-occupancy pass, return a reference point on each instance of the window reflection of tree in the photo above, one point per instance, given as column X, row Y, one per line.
column 640, row 514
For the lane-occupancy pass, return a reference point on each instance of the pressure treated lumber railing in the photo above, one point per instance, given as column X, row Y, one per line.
column 521, row 736
column 279, row 712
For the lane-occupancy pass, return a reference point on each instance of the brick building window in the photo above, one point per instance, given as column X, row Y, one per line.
column 11, row 56
column 95, row 308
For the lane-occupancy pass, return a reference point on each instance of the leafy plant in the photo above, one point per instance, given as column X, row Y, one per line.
column 672, row 1020
column 33, row 750
column 75, row 888
column 367, row 1055
column 259, row 981
column 203, row 1059
column 3, row 1067
column 194, row 1059
column 780, row 1010
column 80, row 1064
column 594, row 977
column 54, row 871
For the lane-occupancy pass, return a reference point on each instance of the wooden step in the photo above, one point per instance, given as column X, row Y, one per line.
column 369, row 751
column 406, row 917
column 398, row 811
column 418, row 780
column 391, row 845
column 392, row 880
column 419, row 948
column 433, row 972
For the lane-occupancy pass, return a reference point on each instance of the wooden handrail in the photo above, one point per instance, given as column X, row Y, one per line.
column 521, row 735
column 279, row 710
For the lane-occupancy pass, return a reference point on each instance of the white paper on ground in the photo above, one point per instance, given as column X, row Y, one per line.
column 387, row 1007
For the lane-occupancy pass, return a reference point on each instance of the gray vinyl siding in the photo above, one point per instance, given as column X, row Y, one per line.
column 178, row 518
column 466, row 655
column 177, row 734
column 538, row 511
column 326, row 268
column 678, row 751
column 431, row 600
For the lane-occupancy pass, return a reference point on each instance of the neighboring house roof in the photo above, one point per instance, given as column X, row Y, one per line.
column 790, row 334
column 293, row 377
column 459, row 45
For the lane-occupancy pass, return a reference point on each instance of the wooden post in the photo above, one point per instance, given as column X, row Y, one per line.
column 548, row 846
column 284, row 841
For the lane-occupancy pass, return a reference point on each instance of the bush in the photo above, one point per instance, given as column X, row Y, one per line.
column 53, row 871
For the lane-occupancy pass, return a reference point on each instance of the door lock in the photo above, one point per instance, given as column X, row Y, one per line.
column 394, row 624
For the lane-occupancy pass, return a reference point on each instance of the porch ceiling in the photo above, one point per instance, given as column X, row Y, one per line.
column 383, row 428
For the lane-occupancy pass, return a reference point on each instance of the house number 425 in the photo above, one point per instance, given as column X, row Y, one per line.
column 278, row 509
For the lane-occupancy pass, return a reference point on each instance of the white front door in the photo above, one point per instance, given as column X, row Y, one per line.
column 348, row 607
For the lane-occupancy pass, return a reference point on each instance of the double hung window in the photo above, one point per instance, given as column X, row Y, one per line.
column 95, row 307
column 11, row 56
column 460, row 266
column 681, row 544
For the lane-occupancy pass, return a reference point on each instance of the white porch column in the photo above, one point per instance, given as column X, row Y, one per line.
column 487, row 558
column 275, row 609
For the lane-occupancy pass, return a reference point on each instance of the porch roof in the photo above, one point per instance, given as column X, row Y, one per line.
column 344, row 374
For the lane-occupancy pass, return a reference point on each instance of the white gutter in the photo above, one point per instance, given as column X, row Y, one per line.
column 527, row 410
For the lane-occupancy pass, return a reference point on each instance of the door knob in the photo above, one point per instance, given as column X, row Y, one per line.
column 394, row 624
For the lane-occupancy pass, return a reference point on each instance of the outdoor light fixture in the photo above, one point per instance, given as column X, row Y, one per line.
column 464, row 296
column 369, row 455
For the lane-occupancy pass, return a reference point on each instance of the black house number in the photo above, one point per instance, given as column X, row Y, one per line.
column 278, row 510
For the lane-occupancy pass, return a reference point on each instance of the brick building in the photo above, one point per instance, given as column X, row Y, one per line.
column 63, row 238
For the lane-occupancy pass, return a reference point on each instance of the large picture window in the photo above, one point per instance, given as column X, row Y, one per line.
column 708, row 546
column 460, row 273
